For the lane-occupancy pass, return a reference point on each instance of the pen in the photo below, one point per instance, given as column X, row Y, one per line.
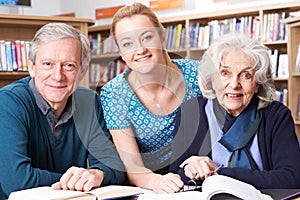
column 218, row 168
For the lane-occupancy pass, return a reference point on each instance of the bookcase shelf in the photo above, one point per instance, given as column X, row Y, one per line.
column 23, row 27
column 294, row 78
column 260, row 17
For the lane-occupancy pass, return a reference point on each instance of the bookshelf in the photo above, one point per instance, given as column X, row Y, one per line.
column 294, row 78
column 23, row 27
column 260, row 17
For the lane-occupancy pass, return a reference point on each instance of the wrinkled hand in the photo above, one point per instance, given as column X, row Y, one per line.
column 198, row 167
column 168, row 183
column 80, row 179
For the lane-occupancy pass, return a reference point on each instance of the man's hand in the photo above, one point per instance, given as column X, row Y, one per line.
column 80, row 179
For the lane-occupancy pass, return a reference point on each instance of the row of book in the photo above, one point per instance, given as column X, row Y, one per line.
column 101, row 44
column 280, row 64
column 274, row 28
column 282, row 96
column 176, row 37
column 103, row 73
column 201, row 35
column 13, row 55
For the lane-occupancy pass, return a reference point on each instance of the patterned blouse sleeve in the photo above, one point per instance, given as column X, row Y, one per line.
column 114, row 102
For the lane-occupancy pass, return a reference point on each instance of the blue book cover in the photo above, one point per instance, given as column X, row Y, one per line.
column 14, row 57
column 9, row 60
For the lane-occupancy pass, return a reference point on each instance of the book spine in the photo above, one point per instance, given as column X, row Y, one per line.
column 99, row 44
column 23, row 55
column 297, row 69
column 182, row 39
column 178, row 36
column 18, row 55
column 3, row 55
column 1, row 69
column 13, row 56
column 298, row 109
column 27, row 46
column 9, row 60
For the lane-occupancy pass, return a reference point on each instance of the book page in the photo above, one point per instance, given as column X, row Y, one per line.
column 218, row 184
column 47, row 193
column 174, row 196
column 114, row 191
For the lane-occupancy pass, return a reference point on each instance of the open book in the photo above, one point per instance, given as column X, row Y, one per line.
column 213, row 185
column 47, row 193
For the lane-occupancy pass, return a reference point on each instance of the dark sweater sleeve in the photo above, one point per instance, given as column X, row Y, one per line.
column 188, row 138
column 279, row 150
column 16, row 169
column 102, row 153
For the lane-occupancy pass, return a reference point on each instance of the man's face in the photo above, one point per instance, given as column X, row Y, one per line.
column 56, row 70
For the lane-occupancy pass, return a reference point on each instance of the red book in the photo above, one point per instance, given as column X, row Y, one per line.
column 18, row 55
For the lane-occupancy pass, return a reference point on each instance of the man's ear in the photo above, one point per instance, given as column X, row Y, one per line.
column 83, row 72
column 31, row 68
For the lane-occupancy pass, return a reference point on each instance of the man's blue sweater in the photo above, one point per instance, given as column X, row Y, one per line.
column 30, row 154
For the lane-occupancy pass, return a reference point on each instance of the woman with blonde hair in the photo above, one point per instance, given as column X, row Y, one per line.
column 140, row 104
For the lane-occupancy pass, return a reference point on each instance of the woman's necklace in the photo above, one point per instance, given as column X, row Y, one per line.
column 163, row 97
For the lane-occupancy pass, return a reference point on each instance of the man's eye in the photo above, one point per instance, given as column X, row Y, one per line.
column 47, row 65
column 69, row 67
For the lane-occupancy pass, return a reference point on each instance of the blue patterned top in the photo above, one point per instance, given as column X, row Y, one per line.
column 154, row 133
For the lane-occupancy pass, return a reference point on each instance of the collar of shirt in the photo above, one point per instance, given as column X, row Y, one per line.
column 48, row 111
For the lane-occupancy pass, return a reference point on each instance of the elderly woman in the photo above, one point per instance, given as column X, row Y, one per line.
column 236, row 128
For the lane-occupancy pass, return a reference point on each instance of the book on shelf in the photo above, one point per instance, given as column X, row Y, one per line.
column 182, row 44
column 281, row 96
column 279, row 62
column 100, row 73
column 283, row 66
column 274, row 57
column 47, row 193
column 3, row 55
column 178, row 36
column 19, row 55
column 298, row 60
column 24, row 54
column 13, row 56
column 9, row 59
column 212, row 186
column 298, row 109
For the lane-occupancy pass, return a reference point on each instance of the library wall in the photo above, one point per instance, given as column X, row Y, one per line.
column 39, row 7
column 86, row 8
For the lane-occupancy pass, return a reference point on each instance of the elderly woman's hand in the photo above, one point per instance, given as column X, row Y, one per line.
column 198, row 167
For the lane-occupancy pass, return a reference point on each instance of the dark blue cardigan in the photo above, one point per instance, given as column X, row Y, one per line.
column 30, row 154
column 277, row 141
